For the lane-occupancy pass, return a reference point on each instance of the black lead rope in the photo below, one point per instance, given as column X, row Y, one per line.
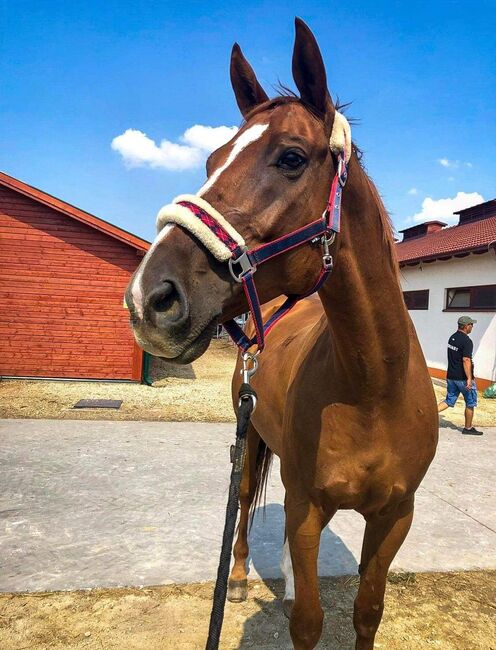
column 247, row 403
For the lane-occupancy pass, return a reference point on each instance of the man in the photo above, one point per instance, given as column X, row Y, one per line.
column 460, row 375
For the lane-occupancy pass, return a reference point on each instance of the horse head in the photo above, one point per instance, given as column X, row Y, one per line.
column 270, row 179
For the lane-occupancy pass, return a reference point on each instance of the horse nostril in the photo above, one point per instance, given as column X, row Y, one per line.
column 166, row 302
column 165, row 299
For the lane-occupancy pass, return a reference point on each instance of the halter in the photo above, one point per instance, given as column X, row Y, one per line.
column 227, row 245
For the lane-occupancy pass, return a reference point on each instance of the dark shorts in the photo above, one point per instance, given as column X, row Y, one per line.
column 455, row 387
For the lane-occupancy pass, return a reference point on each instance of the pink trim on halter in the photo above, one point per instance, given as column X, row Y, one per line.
column 211, row 223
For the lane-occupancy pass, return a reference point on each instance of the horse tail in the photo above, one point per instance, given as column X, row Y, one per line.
column 263, row 464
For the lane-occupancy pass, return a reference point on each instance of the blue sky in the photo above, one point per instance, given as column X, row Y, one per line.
column 74, row 76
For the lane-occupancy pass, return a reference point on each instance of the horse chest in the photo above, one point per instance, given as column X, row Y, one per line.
column 347, row 462
column 358, row 483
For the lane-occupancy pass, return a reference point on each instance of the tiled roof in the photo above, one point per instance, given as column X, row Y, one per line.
column 474, row 236
column 73, row 212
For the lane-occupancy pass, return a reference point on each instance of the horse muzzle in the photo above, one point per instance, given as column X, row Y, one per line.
column 164, row 327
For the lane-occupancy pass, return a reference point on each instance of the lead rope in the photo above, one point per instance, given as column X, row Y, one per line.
column 247, row 405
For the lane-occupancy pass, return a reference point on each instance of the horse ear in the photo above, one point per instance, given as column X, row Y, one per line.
column 248, row 92
column 309, row 71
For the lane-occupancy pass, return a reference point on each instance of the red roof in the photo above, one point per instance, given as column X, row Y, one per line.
column 73, row 212
column 467, row 238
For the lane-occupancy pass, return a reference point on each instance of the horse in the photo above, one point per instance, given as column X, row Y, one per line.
column 345, row 398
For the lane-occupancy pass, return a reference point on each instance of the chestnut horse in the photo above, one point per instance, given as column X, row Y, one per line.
column 345, row 399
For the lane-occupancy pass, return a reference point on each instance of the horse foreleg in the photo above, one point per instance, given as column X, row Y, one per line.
column 383, row 538
column 237, row 589
column 304, row 524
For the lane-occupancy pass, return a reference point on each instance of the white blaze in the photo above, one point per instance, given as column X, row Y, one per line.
column 136, row 289
column 247, row 137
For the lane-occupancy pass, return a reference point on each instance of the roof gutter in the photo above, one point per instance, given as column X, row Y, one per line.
column 443, row 257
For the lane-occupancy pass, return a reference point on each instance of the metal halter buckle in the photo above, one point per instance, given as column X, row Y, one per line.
column 247, row 268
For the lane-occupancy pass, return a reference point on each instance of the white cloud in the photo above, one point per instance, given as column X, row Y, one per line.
column 208, row 138
column 453, row 164
column 138, row 150
column 413, row 190
column 448, row 163
column 442, row 209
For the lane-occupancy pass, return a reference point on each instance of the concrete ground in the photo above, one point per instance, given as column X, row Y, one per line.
column 92, row 503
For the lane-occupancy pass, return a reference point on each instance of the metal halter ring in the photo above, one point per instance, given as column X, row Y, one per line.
column 328, row 239
column 253, row 399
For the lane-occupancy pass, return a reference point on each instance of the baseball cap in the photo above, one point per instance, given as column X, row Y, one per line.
column 466, row 320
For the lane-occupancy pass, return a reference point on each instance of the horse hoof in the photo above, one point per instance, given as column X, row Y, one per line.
column 287, row 607
column 237, row 591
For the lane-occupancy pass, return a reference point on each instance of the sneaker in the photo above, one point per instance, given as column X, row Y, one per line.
column 472, row 432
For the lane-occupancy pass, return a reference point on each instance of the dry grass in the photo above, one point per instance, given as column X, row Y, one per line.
column 442, row 611
column 485, row 413
column 197, row 392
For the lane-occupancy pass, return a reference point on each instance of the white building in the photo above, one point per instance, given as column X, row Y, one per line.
column 451, row 272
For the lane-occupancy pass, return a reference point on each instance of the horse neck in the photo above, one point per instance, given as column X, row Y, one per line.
column 363, row 302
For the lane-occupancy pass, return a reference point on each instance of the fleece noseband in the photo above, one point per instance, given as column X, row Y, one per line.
column 213, row 230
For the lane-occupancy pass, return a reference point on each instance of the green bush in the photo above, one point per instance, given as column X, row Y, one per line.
column 490, row 392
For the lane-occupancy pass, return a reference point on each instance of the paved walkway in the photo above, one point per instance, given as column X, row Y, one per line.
column 87, row 504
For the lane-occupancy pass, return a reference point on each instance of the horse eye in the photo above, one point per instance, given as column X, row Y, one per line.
column 291, row 161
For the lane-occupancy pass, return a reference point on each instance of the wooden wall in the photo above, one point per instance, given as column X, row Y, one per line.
column 61, row 296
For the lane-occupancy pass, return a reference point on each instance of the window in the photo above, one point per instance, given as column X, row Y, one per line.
column 482, row 298
column 416, row 299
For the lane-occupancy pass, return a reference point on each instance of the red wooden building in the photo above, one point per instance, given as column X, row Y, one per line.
column 63, row 273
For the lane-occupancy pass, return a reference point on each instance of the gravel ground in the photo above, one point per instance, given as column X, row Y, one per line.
column 441, row 611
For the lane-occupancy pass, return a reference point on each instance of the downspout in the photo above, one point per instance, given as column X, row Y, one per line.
column 145, row 377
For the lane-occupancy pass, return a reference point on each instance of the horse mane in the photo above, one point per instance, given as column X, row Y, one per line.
column 287, row 96
column 386, row 224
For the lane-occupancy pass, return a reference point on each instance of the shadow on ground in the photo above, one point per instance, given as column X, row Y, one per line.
column 446, row 424
column 161, row 369
column 269, row 628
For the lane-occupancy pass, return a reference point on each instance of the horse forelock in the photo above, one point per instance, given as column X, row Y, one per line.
column 282, row 100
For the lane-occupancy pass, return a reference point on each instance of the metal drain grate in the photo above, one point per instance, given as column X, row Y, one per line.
column 98, row 404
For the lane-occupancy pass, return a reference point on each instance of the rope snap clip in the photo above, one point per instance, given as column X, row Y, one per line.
column 250, row 367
